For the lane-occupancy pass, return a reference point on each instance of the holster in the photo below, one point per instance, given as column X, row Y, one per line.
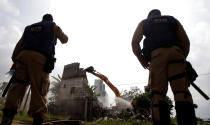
column 50, row 64
column 191, row 73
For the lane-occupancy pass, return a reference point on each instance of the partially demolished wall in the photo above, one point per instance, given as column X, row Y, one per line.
column 74, row 98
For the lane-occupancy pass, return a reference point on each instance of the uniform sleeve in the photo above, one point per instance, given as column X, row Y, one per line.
column 184, row 42
column 60, row 34
column 137, row 37
column 17, row 49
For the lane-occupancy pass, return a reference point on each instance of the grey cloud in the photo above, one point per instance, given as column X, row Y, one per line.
column 10, row 32
column 5, row 63
column 199, row 10
column 200, row 46
column 199, row 34
column 15, row 15
column 14, row 19
column 8, row 7
column 9, row 36
column 203, row 110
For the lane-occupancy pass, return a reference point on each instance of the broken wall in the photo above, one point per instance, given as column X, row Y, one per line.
column 74, row 98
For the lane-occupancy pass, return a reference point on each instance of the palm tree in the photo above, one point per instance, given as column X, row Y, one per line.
column 54, row 88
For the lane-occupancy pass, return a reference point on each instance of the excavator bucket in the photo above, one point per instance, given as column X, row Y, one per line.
column 90, row 69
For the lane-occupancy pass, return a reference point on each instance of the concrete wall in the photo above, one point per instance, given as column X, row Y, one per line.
column 74, row 98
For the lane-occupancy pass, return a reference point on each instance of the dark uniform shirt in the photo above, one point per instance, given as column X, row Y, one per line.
column 58, row 34
column 182, row 38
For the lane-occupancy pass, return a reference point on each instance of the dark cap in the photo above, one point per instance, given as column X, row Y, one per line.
column 47, row 17
column 154, row 13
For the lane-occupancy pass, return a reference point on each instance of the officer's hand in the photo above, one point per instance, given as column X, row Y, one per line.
column 144, row 64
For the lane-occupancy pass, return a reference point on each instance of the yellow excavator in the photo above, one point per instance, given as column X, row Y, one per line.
column 104, row 78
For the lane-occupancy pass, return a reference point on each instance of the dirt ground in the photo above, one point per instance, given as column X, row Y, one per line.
column 17, row 123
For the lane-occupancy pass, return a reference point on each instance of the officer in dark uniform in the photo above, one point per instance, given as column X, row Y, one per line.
column 165, row 49
column 34, row 59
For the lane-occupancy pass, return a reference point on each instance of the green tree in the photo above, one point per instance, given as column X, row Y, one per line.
column 131, row 94
column 3, row 86
column 2, row 100
column 142, row 102
column 91, row 90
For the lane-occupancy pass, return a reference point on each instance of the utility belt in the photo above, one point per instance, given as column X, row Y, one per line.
column 50, row 62
column 146, row 52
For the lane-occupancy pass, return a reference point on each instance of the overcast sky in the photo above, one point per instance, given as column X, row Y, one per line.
column 100, row 33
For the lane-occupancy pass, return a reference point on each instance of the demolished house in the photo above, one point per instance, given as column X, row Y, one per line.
column 74, row 98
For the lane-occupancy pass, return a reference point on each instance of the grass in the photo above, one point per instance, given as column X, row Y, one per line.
column 119, row 122
column 129, row 122
column 23, row 117
column 58, row 117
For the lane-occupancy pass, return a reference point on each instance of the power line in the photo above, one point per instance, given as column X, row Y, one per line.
column 131, row 84
column 204, row 74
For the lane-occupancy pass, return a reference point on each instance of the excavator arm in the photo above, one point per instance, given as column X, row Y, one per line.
column 104, row 78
